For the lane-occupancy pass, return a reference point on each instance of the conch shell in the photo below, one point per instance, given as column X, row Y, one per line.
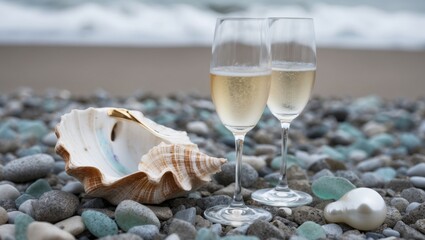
column 119, row 154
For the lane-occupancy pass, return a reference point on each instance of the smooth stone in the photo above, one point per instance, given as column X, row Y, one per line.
column 197, row 127
column 238, row 231
column 332, row 229
column 182, row 228
column 211, row 201
column 388, row 232
column 230, row 190
column 30, row 129
column 59, row 167
column 44, row 231
column 206, row 234
column 399, row 185
column 350, row 176
column 55, row 205
column 12, row 215
column 29, row 151
column 322, row 173
column 7, row 231
column 37, row 188
column 417, row 170
column 331, row 187
column 414, row 215
column 239, row 237
column 290, row 161
column 8, row 192
column 187, row 215
column 420, row 225
column 3, row 216
column 27, row 207
column 357, row 155
column 411, row 141
column 64, row 176
column 418, row 182
column 265, row 149
column 173, row 236
column 21, row 225
column 373, row 164
column 257, row 162
column 399, row 203
column 73, row 187
column 122, row 236
column 373, row 128
column 372, row 180
column 311, row 231
column 147, row 232
column 383, row 140
column 28, row 168
column 216, row 228
column 412, row 206
column 201, row 222
column 7, row 204
column 227, row 174
column 264, row 230
column 307, row 213
column 413, row 195
column 408, row 232
column 50, row 139
column 361, row 208
column 333, row 153
column 386, row 173
column 130, row 213
column 23, row 198
column 73, row 225
column 163, row 213
column 99, row 224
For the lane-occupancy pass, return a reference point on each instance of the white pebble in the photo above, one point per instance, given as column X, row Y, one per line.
column 73, row 187
column 172, row 237
column 418, row 182
column 288, row 211
column 26, row 207
column 73, row 225
column 197, row 127
column 8, row 192
column 45, row 230
column 7, row 231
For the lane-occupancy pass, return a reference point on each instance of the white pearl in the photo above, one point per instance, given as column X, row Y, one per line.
column 361, row 208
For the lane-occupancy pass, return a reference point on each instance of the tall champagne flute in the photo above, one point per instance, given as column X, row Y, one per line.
column 240, row 74
column 293, row 74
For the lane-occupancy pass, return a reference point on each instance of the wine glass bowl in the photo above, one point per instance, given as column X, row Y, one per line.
column 293, row 75
column 240, row 77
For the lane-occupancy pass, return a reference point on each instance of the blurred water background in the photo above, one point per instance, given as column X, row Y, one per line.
column 366, row 24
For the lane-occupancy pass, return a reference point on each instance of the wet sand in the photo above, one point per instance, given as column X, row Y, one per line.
column 123, row 70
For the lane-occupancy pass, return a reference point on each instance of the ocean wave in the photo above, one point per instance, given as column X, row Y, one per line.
column 144, row 24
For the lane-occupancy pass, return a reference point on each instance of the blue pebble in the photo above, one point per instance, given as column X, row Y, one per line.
column 99, row 224
column 410, row 141
column 21, row 225
column 37, row 188
column 206, row 234
column 23, row 198
column 386, row 173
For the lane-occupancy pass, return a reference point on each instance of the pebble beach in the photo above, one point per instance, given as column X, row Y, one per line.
column 336, row 143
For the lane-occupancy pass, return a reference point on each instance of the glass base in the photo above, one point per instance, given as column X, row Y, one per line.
column 283, row 198
column 236, row 216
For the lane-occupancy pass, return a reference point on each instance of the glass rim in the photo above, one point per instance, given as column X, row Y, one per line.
column 241, row 18
column 290, row 18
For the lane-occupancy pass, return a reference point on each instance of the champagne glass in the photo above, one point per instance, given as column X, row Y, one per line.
column 240, row 74
column 293, row 73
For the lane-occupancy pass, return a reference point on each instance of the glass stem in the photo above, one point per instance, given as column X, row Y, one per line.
column 283, row 181
column 237, row 196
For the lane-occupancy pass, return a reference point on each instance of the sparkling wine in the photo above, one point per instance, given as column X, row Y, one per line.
column 290, row 89
column 240, row 97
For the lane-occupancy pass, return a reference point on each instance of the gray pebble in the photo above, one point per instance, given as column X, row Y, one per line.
column 8, row 204
column 393, row 216
column 238, row 231
column 73, row 187
column 197, row 127
column 372, row 180
column 350, row 176
column 59, row 167
column 7, row 231
column 322, row 173
column 122, row 236
column 227, row 175
column 208, row 202
column 147, row 232
column 216, row 228
column 130, row 213
column 372, row 164
column 163, row 213
column 172, row 237
column 264, row 230
column 27, row 208
column 418, row 182
column 94, row 203
column 413, row 195
column 332, row 229
column 265, row 149
column 187, row 215
column 420, row 225
column 399, row 203
column 417, row 170
column 230, row 190
column 412, row 206
column 407, row 231
column 388, row 232
column 50, row 139
column 54, row 206
column 64, row 176
column 307, row 213
column 8, row 192
column 182, row 228
column 28, row 168
column 399, row 185
column 413, row 215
